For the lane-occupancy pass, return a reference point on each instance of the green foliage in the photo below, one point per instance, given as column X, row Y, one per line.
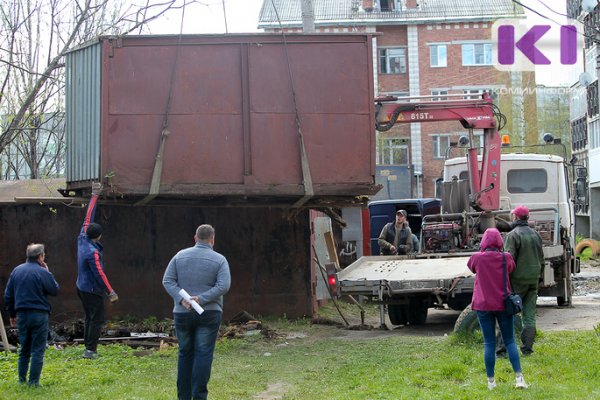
column 327, row 363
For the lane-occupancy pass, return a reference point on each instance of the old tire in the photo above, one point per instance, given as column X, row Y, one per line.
column 398, row 314
column 467, row 323
column 591, row 243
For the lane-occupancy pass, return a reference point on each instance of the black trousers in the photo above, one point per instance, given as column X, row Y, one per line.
column 93, row 306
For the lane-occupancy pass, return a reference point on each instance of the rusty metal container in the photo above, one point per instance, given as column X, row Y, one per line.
column 224, row 108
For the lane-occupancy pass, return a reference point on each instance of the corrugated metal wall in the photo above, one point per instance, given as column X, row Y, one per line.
column 83, row 79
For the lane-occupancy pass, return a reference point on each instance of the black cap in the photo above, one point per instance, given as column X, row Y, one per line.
column 403, row 212
column 94, row 230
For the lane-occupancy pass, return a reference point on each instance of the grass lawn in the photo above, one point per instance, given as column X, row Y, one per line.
column 323, row 365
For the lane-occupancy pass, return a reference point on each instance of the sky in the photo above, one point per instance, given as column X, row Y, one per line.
column 206, row 16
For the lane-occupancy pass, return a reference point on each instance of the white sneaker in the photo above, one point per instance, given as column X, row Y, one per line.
column 491, row 383
column 520, row 382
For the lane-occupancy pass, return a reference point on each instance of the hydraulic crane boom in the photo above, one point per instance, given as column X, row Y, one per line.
column 472, row 114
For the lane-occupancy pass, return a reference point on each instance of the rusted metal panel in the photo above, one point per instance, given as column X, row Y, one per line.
column 268, row 252
column 231, row 118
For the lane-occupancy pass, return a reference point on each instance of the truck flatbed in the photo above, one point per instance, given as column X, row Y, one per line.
column 403, row 274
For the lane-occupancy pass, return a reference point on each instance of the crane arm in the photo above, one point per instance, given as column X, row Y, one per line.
column 472, row 114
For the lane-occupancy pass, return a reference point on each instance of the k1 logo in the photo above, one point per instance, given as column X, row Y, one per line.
column 521, row 48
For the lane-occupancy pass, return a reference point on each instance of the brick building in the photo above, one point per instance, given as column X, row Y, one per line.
column 424, row 48
column 585, row 123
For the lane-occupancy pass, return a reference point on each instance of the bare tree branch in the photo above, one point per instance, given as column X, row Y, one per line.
column 35, row 35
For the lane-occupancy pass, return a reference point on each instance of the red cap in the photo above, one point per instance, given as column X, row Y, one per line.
column 521, row 211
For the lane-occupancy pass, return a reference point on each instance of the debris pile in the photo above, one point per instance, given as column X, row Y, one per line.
column 244, row 324
column 147, row 335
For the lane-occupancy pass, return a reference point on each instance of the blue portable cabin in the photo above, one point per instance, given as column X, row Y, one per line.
column 384, row 211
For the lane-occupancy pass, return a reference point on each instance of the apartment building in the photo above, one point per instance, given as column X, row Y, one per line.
column 585, row 125
column 423, row 48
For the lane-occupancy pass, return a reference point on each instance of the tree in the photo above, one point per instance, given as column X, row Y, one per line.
column 34, row 37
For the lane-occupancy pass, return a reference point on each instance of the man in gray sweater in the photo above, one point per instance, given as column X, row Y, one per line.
column 204, row 275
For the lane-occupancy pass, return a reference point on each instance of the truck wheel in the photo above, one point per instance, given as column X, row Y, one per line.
column 591, row 243
column 398, row 314
column 567, row 299
column 417, row 312
column 467, row 323
column 562, row 302
column 417, row 315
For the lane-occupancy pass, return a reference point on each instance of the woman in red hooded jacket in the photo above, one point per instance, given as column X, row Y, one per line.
column 488, row 302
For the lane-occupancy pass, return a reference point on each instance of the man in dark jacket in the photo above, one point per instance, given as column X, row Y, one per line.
column 92, row 283
column 396, row 237
column 525, row 245
column 26, row 300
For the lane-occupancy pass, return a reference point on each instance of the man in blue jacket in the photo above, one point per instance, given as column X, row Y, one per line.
column 26, row 300
column 204, row 275
column 92, row 283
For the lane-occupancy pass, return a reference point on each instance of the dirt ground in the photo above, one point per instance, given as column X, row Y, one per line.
column 584, row 314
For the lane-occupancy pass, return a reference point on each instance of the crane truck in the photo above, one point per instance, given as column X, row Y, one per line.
column 478, row 191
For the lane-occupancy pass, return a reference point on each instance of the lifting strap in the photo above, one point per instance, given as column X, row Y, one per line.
column 306, row 177
column 158, row 161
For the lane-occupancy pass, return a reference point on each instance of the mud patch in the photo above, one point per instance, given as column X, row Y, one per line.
column 274, row 391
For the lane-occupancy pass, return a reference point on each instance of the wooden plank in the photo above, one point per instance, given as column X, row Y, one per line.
column 331, row 249
column 5, row 345
column 122, row 338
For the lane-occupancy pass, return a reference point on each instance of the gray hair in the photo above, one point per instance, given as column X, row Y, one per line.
column 34, row 250
column 205, row 232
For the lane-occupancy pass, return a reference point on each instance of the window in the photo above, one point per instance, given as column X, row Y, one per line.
column 527, row 181
column 441, row 93
column 438, row 55
column 594, row 134
column 440, row 145
column 398, row 94
column 477, row 54
column 392, row 61
column 476, row 93
column 390, row 5
column 394, row 151
column 579, row 134
column 593, row 107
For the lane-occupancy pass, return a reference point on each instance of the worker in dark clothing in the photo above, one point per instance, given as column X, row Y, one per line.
column 92, row 283
column 525, row 245
column 26, row 300
column 396, row 237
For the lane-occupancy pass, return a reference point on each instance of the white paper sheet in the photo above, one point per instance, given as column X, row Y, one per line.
column 188, row 298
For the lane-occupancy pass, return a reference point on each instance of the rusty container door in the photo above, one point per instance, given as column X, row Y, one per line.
column 227, row 102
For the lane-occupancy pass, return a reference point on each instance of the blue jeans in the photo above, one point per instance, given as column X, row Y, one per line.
column 33, row 333
column 487, row 321
column 197, row 335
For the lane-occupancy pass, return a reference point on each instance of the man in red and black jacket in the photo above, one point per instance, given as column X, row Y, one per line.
column 92, row 283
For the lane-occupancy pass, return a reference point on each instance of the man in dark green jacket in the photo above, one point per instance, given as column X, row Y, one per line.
column 525, row 245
